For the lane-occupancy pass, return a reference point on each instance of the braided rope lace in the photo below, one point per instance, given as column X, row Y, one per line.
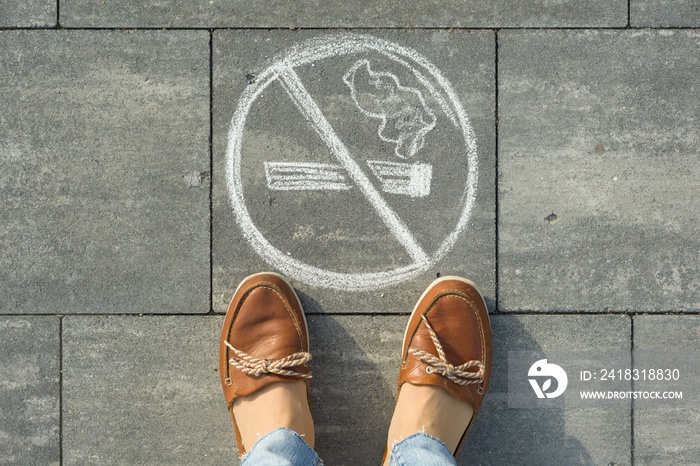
column 257, row 367
column 439, row 365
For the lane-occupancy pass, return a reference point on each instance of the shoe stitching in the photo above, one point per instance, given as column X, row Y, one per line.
column 461, row 295
column 481, row 332
column 472, row 305
column 283, row 297
column 458, row 294
column 280, row 295
column 237, row 309
column 291, row 313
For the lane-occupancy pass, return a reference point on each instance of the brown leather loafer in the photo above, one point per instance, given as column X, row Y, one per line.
column 448, row 344
column 264, row 340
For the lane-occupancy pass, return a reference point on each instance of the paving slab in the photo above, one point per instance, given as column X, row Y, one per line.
column 363, row 13
column 598, row 170
column 355, row 367
column 30, row 368
column 143, row 390
column 27, row 13
column 364, row 229
column 165, row 405
column 657, row 13
column 104, row 171
column 665, row 434
column 550, row 436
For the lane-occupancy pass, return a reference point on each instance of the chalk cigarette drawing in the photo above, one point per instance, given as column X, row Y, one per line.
column 411, row 179
column 296, row 176
column 405, row 117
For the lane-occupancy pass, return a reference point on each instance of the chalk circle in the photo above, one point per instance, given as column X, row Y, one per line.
column 308, row 52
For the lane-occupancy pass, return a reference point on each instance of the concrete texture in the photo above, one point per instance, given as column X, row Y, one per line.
column 339, row 231
column 599, row 128
column 159, row 381
column 355, row 367
column 143, row 390
column 29, row 390
column 104, row 171
column 114, row 121
column 581, row 436
column 657, row 13
column 364, row 13
column 666, row 434
column 27, row 13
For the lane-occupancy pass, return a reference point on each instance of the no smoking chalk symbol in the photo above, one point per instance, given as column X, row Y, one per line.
column 403, row 118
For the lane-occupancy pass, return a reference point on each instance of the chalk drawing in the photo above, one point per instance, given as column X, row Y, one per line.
column 296, row 176
column 431, row 80
column 412, row 179
column 310, row 110
column 405, row 117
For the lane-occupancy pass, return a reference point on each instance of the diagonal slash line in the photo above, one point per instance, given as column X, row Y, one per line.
column 308, row 107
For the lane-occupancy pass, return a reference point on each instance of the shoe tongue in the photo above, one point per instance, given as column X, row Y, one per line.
column 453, row 323
column 265, row 328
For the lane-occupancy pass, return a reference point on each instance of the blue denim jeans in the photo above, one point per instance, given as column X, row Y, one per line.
column 283, row 447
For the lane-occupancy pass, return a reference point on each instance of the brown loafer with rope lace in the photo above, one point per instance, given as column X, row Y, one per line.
column 447, row 343
column 264, row 340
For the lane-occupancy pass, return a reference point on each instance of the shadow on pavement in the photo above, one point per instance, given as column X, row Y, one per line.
column 503, row 435
column 355, row 365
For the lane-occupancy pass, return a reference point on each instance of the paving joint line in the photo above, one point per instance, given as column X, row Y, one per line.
column 60, row 389
column 336, row 313
column 601, row 313
column 629, row 17
column 211, row 171
column 359, row 28
column 495, row 176
column 632, row 387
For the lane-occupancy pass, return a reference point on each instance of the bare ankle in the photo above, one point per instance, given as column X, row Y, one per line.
column 431, row 410
column 278, row 405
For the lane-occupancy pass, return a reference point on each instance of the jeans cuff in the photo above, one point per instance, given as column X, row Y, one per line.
column 421, row 449
column 282, row 446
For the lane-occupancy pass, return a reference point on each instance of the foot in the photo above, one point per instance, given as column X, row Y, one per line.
column 429, row 409
column 263, row 361
column 445, row 366
column 277, row 405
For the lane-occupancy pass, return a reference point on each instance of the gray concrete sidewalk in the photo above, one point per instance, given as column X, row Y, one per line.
column 153, row 154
